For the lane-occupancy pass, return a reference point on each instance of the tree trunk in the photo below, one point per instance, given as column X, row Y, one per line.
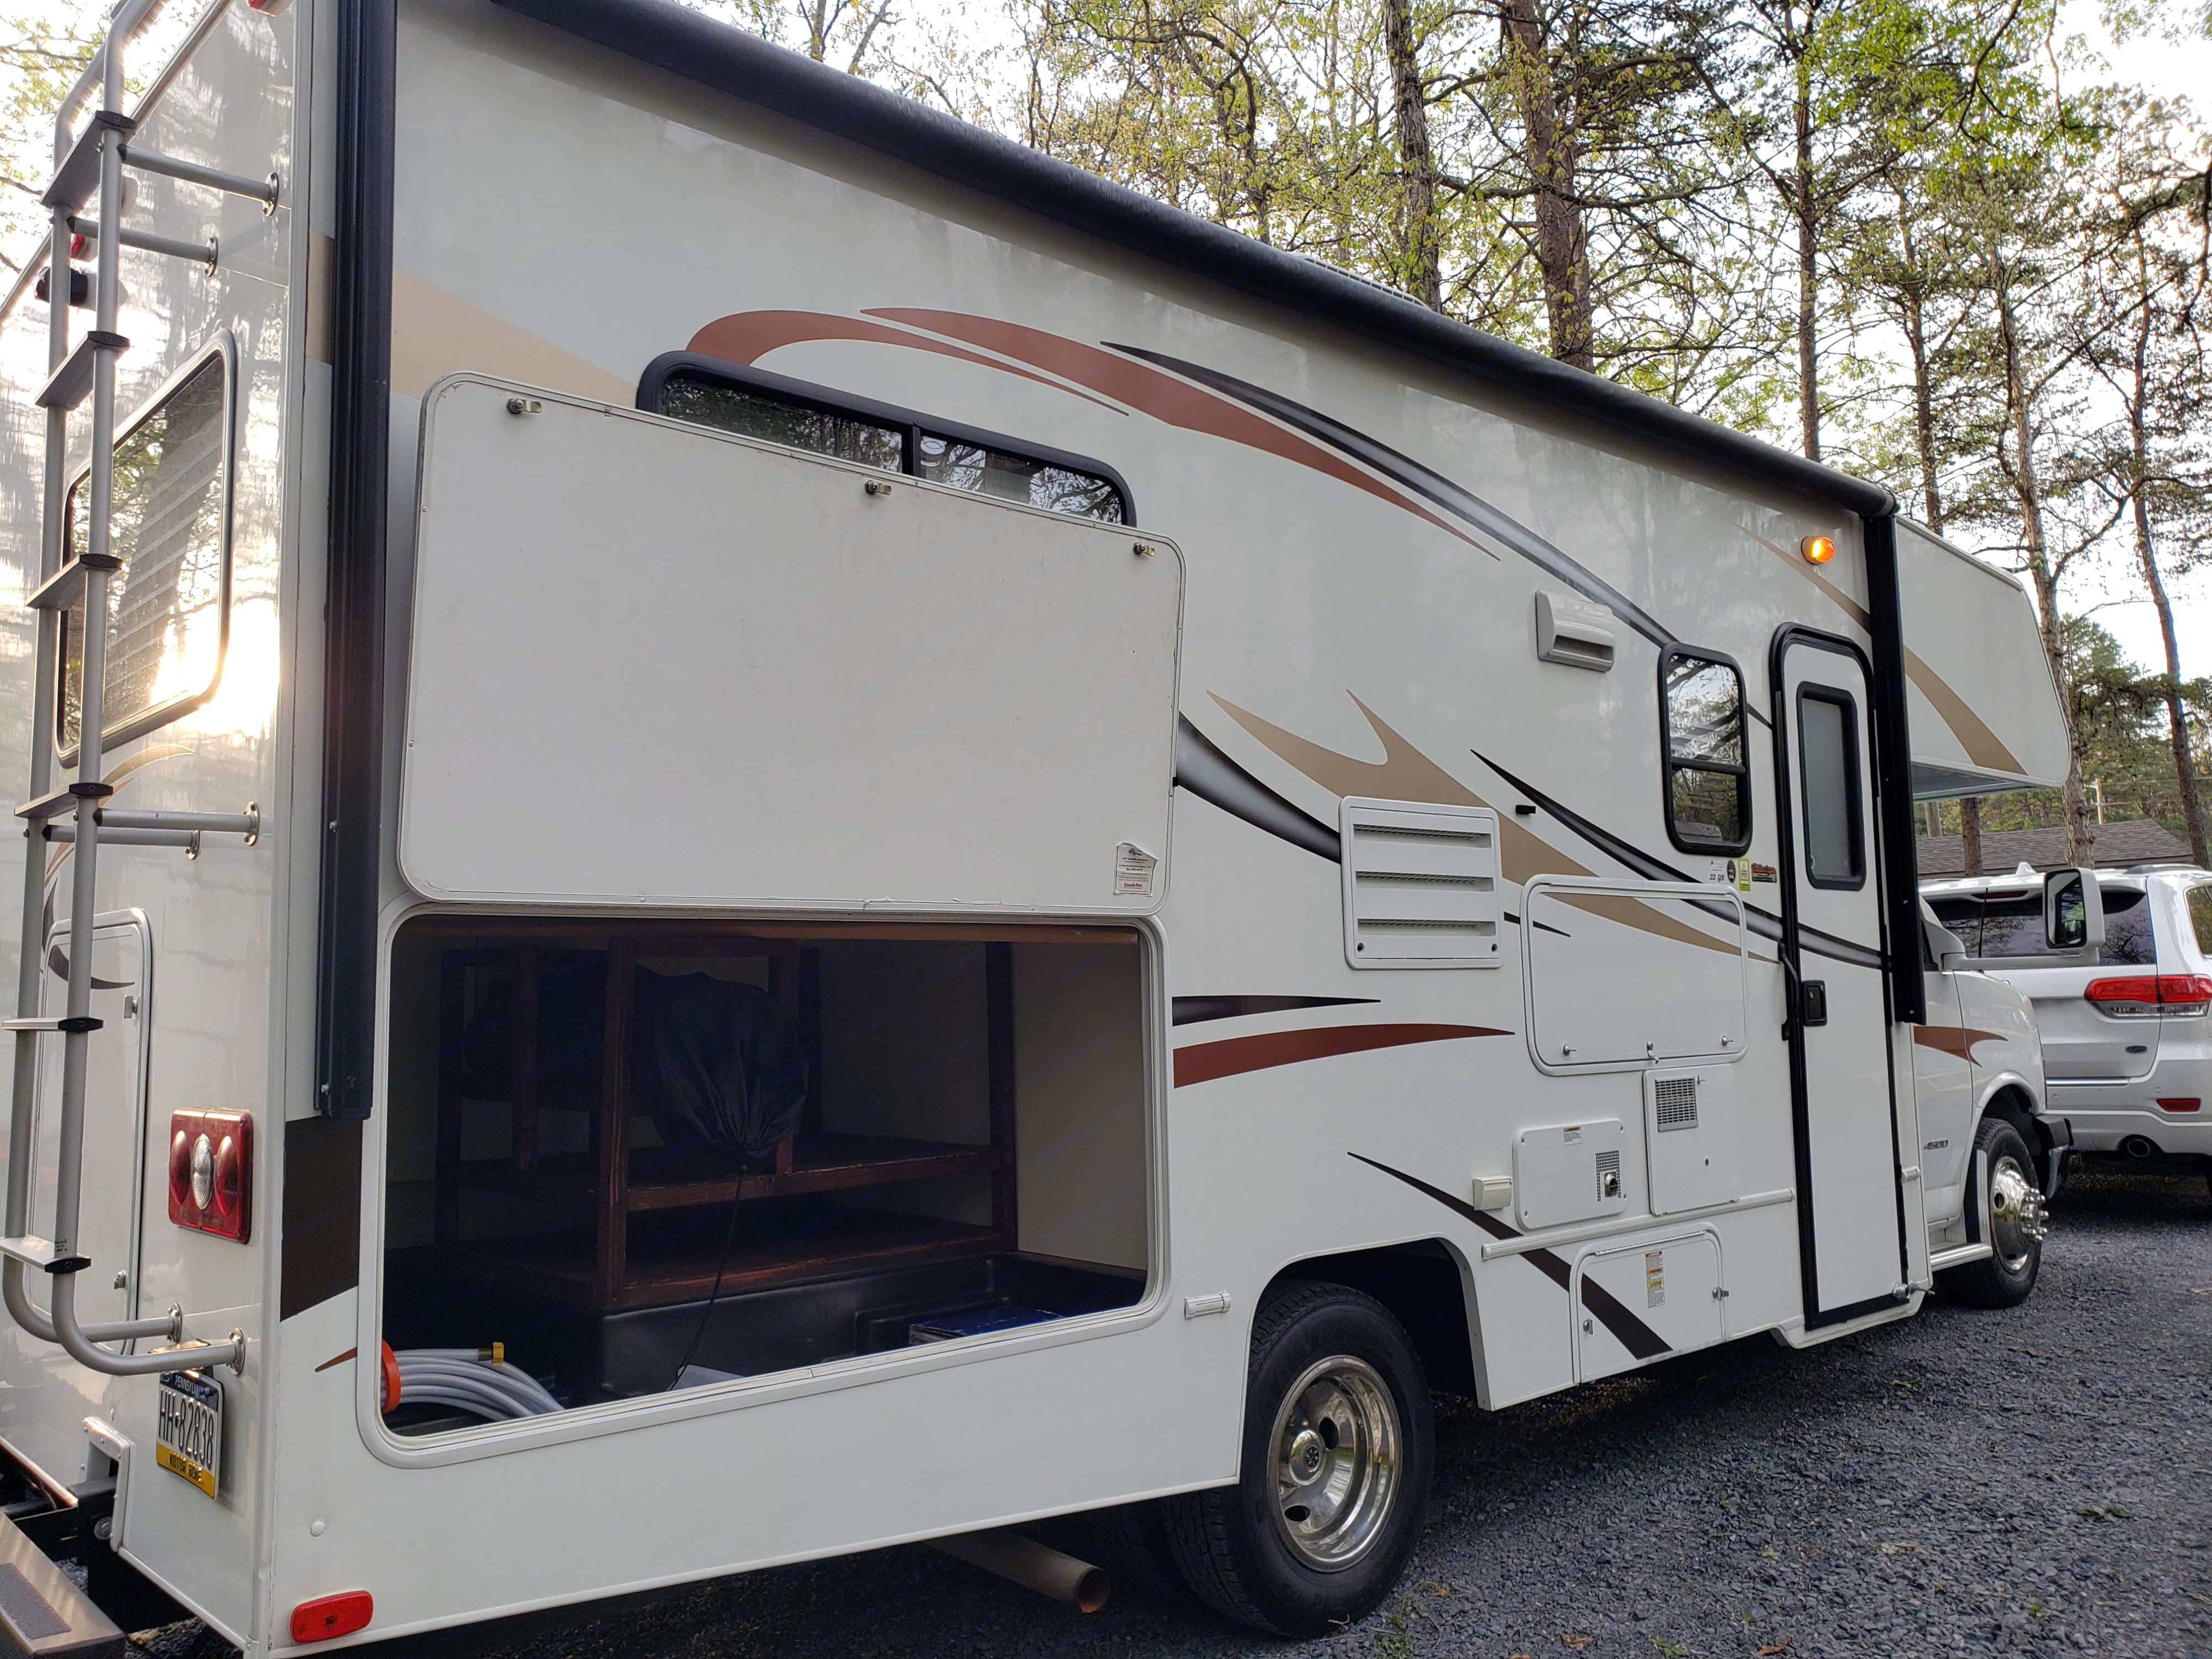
column 2028, row 490
column 1420, row 202
column 1562, row 235
column 2185, row 764
column 1808, row 351
column 1911, row 314
column 1969, row 835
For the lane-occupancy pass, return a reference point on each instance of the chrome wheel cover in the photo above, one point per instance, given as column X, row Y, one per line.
column 2017, row 1217
column 1337, row 1462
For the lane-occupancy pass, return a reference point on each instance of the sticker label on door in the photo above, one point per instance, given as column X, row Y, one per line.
column 1655, row 1278
column 1133, row 870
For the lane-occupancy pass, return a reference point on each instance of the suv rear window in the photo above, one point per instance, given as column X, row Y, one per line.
column 2200, row 916
column 1993, row 926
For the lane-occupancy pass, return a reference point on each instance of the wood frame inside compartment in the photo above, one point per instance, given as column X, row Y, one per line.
column 613, row 1184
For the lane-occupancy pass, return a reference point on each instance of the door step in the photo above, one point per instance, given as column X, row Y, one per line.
column 42, row 1612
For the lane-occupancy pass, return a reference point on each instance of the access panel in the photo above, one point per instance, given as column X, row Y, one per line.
column 656, row 664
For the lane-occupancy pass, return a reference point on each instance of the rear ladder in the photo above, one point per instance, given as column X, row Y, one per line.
column 89, row 165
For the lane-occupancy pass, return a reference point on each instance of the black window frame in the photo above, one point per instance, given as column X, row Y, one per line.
column 913, row 424
column 1836, row 696
column 1669, row 765
column 222, row 348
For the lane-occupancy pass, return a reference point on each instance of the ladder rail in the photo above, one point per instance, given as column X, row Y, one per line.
column 60, row 1322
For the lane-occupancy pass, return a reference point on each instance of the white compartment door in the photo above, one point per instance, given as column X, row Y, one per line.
column 652, row 664
column 1642, row 1302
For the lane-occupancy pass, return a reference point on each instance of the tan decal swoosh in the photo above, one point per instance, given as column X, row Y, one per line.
column 1406, row 773
column 435, row 334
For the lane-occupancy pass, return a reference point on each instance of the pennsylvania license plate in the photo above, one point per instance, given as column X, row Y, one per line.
column 188, row 1434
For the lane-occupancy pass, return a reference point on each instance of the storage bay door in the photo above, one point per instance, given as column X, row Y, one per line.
column 656, row 664
column 1849, row 1197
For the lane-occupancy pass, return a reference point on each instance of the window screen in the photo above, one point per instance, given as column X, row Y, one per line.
column 893, row 442
column 1828, row 768
column 1708, row 779
column 166, row 606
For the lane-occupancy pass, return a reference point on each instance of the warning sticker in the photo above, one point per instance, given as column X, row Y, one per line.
column 1134, row 870
column 1655, row 1278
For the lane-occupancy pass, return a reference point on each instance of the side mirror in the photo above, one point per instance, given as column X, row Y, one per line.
column 2073, row 912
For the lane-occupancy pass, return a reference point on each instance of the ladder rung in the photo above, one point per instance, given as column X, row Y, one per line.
column 78, row 176
column 201, row 253
column 29, row 1249
column 62, row 1023
column 246, row 824
column 188, row 839
column 56, row 802
column 73, row 380
column 262, row 191
column 60, row 590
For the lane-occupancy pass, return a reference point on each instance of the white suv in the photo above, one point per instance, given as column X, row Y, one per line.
column 2127, row 1042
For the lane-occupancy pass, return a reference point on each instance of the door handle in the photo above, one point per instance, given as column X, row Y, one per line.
column 1813, row 1002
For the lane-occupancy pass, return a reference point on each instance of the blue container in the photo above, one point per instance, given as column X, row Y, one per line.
column 976, row 1322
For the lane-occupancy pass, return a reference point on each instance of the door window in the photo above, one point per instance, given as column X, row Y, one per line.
column 1828, row 768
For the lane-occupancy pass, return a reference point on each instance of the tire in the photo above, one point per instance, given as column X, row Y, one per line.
column 1339, row 1447
column 2015, row 1228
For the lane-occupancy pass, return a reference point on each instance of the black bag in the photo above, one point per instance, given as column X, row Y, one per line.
column 719, row 1065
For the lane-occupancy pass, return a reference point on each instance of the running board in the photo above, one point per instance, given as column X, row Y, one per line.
column 43, row 1614
column 1963, row 1255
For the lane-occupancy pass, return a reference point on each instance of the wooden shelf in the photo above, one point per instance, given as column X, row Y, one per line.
column 660, row 1179
column 842, row 1242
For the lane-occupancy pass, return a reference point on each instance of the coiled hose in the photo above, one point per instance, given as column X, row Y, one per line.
column 477, row 1381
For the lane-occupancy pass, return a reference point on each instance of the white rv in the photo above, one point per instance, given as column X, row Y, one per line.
column 781, row 829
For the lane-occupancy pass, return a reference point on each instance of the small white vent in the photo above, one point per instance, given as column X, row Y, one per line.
column 1573, row 633
column 1421, row 886
column 1674, row 1102
column 1608, row 1173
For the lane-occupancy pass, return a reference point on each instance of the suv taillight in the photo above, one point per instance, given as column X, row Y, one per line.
column 2138, row 995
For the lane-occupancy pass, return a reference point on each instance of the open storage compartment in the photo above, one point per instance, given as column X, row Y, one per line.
column 620, row 1148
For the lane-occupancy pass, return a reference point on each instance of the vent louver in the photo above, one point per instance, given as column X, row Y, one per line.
column 1674, row 1102
column 1421, row 886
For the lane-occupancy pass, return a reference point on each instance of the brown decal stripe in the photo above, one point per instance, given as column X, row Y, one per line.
column 1632, row 1333
column 1957, row 1040
column 322, row 1213
column 746, row 337
column 339, row 1359
column 1164, row 396
column 1202, row 1062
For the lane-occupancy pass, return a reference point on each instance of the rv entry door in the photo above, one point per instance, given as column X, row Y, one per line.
column 1851, row 1216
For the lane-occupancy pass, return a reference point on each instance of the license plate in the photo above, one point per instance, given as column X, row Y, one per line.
column 188, row 1434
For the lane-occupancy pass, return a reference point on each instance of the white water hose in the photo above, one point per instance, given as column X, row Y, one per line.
column 477, row 1381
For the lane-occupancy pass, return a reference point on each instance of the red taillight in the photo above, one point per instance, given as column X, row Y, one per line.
column 211, row 1173
column 326, row 1616
column 2179, row 1103
column 2136, row 994
column 181, row 1171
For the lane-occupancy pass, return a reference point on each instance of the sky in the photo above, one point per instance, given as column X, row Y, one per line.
column 2112, row 591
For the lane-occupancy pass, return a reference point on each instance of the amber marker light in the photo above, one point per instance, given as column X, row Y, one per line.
column 1817, row 549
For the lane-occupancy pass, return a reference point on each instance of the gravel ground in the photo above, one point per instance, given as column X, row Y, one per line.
column 2030, row 1481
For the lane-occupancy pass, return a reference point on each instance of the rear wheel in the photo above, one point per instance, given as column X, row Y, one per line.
column 1340, row 1442
column 2014, row 1226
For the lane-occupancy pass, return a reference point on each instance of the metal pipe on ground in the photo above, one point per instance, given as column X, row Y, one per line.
column 1033, row 1565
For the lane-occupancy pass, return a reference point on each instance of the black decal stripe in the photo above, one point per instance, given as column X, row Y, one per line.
column 1212, row 776
column 1194, row 1010
column 1763, row 923
column 1541, row 926
column 1431, row 486
column 1632, row 1333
